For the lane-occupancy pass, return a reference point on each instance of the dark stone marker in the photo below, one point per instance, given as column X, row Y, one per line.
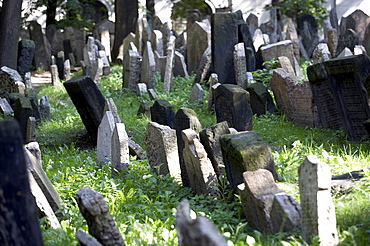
column 348, row 39
column 31, row 94
column 26, row 51
column 246, row 37
column 42, row 56
column 144, row 109
column 88, row 101
column 261, row 100
column 245, row 151
column 22, row 111
column 185, row 118
column 224, row 36
column 232, row 105
column 19, row 223
column 67, row 49
column 44, row 108
column 339, row 90
column 163, row 113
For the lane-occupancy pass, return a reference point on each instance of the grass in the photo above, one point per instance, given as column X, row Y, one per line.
column 143, row 204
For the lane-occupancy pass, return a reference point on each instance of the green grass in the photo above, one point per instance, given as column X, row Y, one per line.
column 143, row 204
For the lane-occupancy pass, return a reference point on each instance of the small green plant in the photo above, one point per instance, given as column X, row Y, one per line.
column 264, row 75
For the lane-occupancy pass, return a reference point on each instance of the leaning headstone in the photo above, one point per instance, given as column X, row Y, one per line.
column 26, row 51
column 119, row 149
column 96, row 213
column 204, row 70
column 202, row 176
column 260, row 98
column 162, row 151
column 111, row 106
column 152, row 94
column 130, row 38
column 266, row 207
column 136, row 150
column 321, row 53
column 185, row 118
column 318, row 210
column 88, row 101
column 196, row 232
column 348, row 39
column 169, row 64
column 20, row 225
column 141, row 89
column 179, row 67
column 5, row 108
column 240, row 65
column 245, row 151
column 85, row 239
column 196, row 94
column 8, row 81
column 148, row 66
column 232, row 105
column 286, row 65
column 291, row 34
column 105, row 131
column 163, row 113
column 42, row 54
column 131, row 69
column 210, row 138
column 282, row 48
column 212, row 88
column 22, row 111
column 55, row 81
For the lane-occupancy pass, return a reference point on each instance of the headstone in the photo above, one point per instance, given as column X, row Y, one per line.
column 141, row 89
column 339, row 91
column 202, row 176
column 294, row 99
column 27, row 80
column 321, row 53
column 160, row 64
column 245, row 151
column 199, row 231
column 334, row 19
column 347, row 39
column 163, row 113
column 148, row 66
column 144, row 109
column 212, row 89
column 199, row 38
column 245, row 36
column 26, row 51
column 260, row 99
column 22, row 111
column 318, row 210
column 358, row 21
column 119, row 149
column 136, row 150
column 88, row 101
column 97, row 69
column 210, row 138
column 85, row 239
column 162, row 151
column 152, row 94
column 55, row 38
column 266, row 207
column 77, row 38
column 20, row 225
column 224, row 36
column 131, row 69
column 8, row 81
column 286, row 65
column 96, row 213
column 157, row 41
column 179, row 68
column 67, row 48
column 332, row 41
column 240, row 65
column 204, row 70
column 130, row 38
column 232, row 105
column 196, row 94
column 44, row 108
column 5, row 108
column 252, row 21
column 307, row 29
column 282, row 48
column 103, row 30
column 185, row 118
column 291, row 34
column 345, row 52
column 169, row 64
column 366, row 42
column 55, row 81
column 42, row 54
column 31, row 130
column 60, row 63
column 34, row 149
column 104, row 58
column 103, row 147
column 67, row 70
column 111, row 106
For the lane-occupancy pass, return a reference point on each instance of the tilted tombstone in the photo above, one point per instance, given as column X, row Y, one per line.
column 285, row 64
column 26, row 51
column 321, row 53
column 347, row 39
column 157, row 41
column 42, row 54
column 282, row 48
column 5, row 108
column 232, row 105
column 210, row 138
column 252, row 21
column 162, row 151
column 334, row 19
column 105, row 131
column 318, row 210
column 131, row 69
column 185, row 118
column 339, row 88
column 88, row 101
column 8, row 81
column 240, row 65
column 204, row 70
column 97, row 69
column 119, row 149
column 130, row 38
column 291, row 34
column 196, row 94
column 260, row 99
column 170, row 51
column 199, row 38
column 245, row 151
column 212, row 88
column 111, row 106
column 148, row 66
column 20, row 224
column 266, row 207
column 245, row 36
column 85, row 239
column 358, row 21
column 163, row 113
column 179, row 67
column 202, row 176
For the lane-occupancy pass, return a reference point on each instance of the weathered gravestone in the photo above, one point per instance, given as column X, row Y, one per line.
column 77, row 38
column 148, row 66
column 119, row 149
column 163, row 113
column 42, row 54
column 130, row 38
column 195, row 232
column 31, row 130
column 260, row 99
column 347, row 39
column 157, row 41
column 169, row 64
column 44, row 108
column 26, row 51
column 22, row 111
column 245, row 151
column 357, row 21
column 162, row 151
column 204, row 69
column 266, row 207
column 131, row 69
column 111, row 106
column 5, row 108
column 240, row 65
column 141, row 89
column 9, row 80
column 210, row 138
column 105, row 131
column 339, row 88
column 88, row 101
column 144, row 109
column 318, row 210
column 321, row 53
column 282, row 48
column 85, row 239
column 224, row 36
column 245, row 36
column 179, row 67
column 55, row 81
column 19, row 221
column 96, row 213
column 196, row 94
column 232, row 105
column 307, row 30
column 185, row 118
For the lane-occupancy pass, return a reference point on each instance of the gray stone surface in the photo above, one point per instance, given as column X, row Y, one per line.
column 163, row 113
column 240, row 65
column 196, row 94
column 8, row 81
column 85, row 239
column 26, row 51
column 119, row 149
column 148, row 66
column 105, row 131
column 131, row 69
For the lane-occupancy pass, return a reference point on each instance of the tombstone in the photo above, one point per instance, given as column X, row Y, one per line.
column 245, row 36
column 347, row 39
column 157, row 41
column 318, row 210
column 334, row 19
column 96, row 213
column 163, row 113
column 88, row 101
column 199, row 38
column 339, row 89
column 119, row 149
column 132, row 67
column 282, row 48
column 26, row 51
column 210, row 138
column 5, row 108
column 252, row 21
column 27, row 80
column 97, row 69
column 160, row 64
column 169, row 64
column 31, row 94
column 294, row 99
column 258, row 39
column 332, row 41
column 267, row 208
column 85, row 239
column 232, row 105
column 291, row 34
column 130, row 38
column 152, row 94
column 8, row 81
column 245, row 151
column 366, row 42
column 34, row 149
column 204, row 70
column 20, row 224
column 321, row 53
column 202, row 176
column 196, row 232
column 111, row 106
column 103, row 31
column 55, row 38
column 77, row 38
column 148, row 66
column 212, row 89
column 67, row 70
column 307, row 29
column 358, row 21
column 42, row 54
column 345, row 52
column 141, row 89
column 106, row 67
column 22, row 111
column 285, row 64
column 136, row 150
column 179, row 68
column 55, row 81
column 104, row 140
column 224, row 37
column 31, row 130
column 240, row 65
column 260, row 99
column 196, row 94
column 67, row 48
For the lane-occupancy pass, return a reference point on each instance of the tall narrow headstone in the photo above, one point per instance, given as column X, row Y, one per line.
column 131, row 69
column 55, row 81
column 26, row 51
column 119, row 149
column 148, row 66
column 157, row 41
column 179, row 66
column 41, row 57
column 105, row 131
column 44, row 108
column 169, row 64
column 22, row 111
column 240, row 65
